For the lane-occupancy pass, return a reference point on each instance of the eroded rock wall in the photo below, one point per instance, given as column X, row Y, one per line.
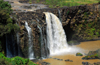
column 69, row 16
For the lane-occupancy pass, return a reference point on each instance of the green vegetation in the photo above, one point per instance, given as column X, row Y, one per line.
column 30, row 1
column 79, row 54
column 5, row 6
column 14, row 61
column 88, row 28
column 60, row 3
column 37, row 1
column 6, row 23
column 99, row 2
column 93, row 55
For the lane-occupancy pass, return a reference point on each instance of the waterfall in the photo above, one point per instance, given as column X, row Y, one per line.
column 56, row 38
column 44, row 52
column 18, row 42
column 8, row 51
column 30, row 50
column 41, row 41
column 59, row 15
column 11, row 46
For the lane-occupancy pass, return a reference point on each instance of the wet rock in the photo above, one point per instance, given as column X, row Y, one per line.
column 93, row 55
column 50, row 57
column 54, row 58
column 79, row 54
column 85, row 63
column 60, row 59
column 69, row 60
column 27, row 7
column 35, row 60
column 97, row 63
column 45, row 63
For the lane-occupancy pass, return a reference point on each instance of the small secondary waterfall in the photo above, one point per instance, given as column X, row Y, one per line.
column 42, row 41
column 44, row 50
column 30, row 50
column 8, row 51
column 59, row 15
column 11, row 46
column 18, row 43
column 56, row 38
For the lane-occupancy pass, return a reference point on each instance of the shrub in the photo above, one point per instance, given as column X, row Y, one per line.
column 14, row 61
column 6, row 6
column 6, row 23
column 4, row 62
column 99, row 2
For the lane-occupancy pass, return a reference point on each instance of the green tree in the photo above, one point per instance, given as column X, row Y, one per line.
column 6, row 23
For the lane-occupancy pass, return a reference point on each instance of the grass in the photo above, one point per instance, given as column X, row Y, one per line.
column 60, row 3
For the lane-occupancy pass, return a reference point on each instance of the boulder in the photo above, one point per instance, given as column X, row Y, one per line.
column 79, row 54
column 93, row 55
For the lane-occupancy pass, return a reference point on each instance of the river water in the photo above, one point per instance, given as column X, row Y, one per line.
column 76, row 60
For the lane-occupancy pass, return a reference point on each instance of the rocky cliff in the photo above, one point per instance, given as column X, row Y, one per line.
column 68, row 15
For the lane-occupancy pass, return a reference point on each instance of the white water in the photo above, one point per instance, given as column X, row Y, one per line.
column 56, row 37
column 30, row 50
column 59, row 15
column 18, row 42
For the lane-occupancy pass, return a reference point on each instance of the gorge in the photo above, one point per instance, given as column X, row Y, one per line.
column 47, row 33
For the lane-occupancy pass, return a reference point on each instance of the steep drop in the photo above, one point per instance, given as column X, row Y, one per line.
column 30, row 50
column 56, row 38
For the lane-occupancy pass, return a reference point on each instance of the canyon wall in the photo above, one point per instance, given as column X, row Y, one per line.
column 68, row 15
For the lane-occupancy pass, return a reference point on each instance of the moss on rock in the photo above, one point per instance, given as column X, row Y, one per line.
column 79, row 54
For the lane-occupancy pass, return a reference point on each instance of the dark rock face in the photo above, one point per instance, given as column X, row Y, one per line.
column 92, row 55
column 85, row 63
column 97, row 63
column 45, row 63
column 31, row 18
column 23, row 1
column 69, row 16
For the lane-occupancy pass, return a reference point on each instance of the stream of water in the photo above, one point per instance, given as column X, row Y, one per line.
column 30, row 43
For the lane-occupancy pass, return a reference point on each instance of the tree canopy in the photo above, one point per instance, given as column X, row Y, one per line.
column 6, row 22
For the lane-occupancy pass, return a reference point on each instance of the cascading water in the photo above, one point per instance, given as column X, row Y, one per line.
column 44, row 52
column 11, row 46
column 42, row 42
column 59, row 15
column 30, row 50
column 18, row 43
column 8, row 51
column 56, row 38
